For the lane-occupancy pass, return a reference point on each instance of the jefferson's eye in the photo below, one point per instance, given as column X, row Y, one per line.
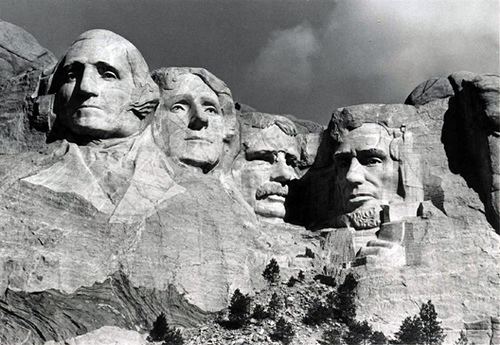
column 211, row 110
column 178, row 107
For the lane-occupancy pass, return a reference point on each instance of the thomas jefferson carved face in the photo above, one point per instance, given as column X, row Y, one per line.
column 194, row 121
column 268, row 162
column 366, row 175
column 103, row 88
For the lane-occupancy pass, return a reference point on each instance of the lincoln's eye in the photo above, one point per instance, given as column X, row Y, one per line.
column 371, row 161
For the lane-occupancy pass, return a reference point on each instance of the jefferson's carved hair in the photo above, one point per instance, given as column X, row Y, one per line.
column 166, row 78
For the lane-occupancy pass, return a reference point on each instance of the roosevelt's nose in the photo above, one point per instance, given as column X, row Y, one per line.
column 88, row 83
column 281, row 171
column 356, row 173
column 198, row 119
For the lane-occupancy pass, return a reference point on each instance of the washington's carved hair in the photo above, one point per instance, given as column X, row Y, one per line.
column 145, row 96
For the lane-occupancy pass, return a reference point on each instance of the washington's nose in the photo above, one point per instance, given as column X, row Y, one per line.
column 88, row 83
column 355, row 174
column 281, row 171
column 197, row 119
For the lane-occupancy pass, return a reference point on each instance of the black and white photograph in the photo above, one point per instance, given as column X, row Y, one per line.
column 239, row 172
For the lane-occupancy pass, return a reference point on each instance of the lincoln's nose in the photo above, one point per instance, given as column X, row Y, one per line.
column 356, row 173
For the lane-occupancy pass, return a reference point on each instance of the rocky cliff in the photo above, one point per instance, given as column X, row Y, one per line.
column 67, row 269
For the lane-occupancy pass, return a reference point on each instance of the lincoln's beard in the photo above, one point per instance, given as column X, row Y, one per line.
column 362, row 218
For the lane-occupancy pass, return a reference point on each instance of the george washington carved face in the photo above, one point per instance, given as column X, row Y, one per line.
column 100, row 85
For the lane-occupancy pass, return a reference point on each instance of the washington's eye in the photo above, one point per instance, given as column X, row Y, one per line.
column 109, row 75
column 70, row 76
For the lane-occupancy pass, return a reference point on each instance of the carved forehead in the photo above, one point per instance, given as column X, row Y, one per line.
column 109, row 47
column 366, row 137
column 168, row 77
column 192, row 85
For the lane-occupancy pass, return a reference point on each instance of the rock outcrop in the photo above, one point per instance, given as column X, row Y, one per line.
column 103, row 227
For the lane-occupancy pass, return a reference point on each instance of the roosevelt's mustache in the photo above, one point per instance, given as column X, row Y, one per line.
column 271, row 188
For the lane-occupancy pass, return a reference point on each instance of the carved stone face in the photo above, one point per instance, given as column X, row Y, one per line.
column 96, row 92
column 194, row 122
column 365, row 173
column 265, row 168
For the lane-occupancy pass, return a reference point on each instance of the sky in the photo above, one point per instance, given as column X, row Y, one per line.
column 300, row 57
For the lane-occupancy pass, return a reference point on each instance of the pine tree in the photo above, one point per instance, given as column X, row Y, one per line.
column 259, row 313
column 432, row 332
column 462, row 340
column 343, row 301
column 283, row 331
column 239, row 309
column 173, row 337
column 162, row 332
column 272, row 272
column 410, row 331
column 317, row 313
column 291, row 281
column 359, row 333
column 378, row 338
column 301, row 276
column 274, row 306
column 331, row 336
column 159, row 330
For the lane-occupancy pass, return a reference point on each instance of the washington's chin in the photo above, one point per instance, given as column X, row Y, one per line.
column 96, row 123
column 271, row 208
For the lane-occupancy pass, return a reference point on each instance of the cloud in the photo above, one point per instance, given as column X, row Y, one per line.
column 286, row 62
column 373, row 51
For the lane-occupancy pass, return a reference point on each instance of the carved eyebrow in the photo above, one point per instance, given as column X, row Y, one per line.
column 343, row 155
column 373, row 152
column 72, row 65
column 104, row 66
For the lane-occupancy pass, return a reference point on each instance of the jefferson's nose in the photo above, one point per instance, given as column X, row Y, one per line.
column 197, row 118
column 88, row 83
column 281, row 171
column 355, row 174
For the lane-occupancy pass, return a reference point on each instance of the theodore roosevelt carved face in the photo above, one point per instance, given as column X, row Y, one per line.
column 267, row 163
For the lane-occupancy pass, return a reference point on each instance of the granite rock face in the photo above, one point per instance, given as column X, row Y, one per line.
column 20, row 52
column 187, row 197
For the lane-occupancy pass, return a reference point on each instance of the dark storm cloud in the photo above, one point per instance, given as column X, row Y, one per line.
column 296, row 57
